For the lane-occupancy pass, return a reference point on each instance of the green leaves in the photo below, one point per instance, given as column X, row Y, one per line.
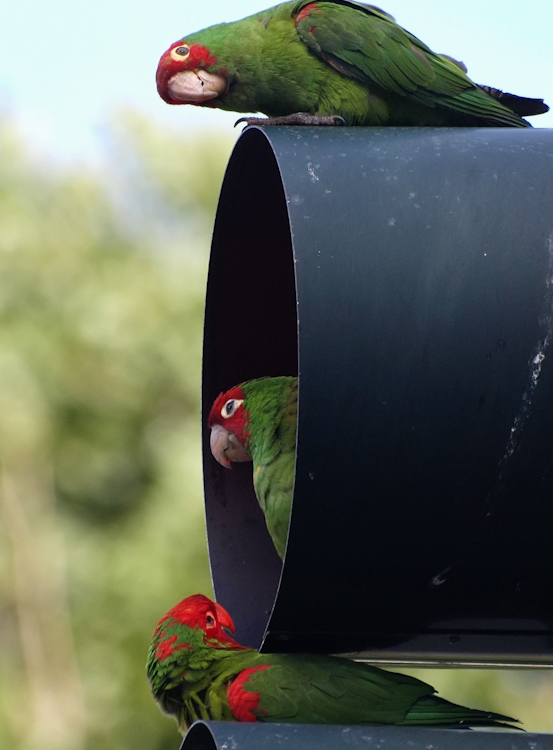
column 101, row 503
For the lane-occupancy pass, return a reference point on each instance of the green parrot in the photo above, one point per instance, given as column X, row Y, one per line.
column 197, row 671
column 256, row 421
column 330, row 62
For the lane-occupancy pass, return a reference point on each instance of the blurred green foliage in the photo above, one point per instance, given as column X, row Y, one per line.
column 102, row 278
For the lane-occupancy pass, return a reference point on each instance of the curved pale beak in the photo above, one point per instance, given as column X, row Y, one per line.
column 224, row 618
column 196, row 86
column 225, row 447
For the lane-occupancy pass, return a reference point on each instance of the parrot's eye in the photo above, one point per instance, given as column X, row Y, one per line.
column 231, row 406
column 209, row 620
column 180, row 53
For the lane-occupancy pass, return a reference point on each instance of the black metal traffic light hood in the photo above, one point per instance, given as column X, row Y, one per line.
column 406, row 275
column 211, row 735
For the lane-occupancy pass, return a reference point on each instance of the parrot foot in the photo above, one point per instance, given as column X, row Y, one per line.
column 299, row 118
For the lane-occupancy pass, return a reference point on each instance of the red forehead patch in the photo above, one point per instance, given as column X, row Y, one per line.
column 215, row 413
column 199, row 57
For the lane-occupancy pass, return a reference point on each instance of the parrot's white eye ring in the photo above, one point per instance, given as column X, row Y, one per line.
column 180, row 53
column 230, row 407
column 209, row 620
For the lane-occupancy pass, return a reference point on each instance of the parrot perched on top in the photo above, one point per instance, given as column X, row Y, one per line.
column 256, row 421
column 326, row 62
column 197, row 671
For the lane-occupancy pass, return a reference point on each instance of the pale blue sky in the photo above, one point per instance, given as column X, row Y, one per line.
column 65, row 65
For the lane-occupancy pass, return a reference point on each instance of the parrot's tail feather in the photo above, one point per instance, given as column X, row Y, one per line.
column 521, row 105
column 439, row 712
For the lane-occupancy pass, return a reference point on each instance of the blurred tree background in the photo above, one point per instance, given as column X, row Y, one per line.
column 102, row 279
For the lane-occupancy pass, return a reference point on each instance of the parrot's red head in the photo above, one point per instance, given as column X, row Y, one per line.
column 228, row 421
column 200, row 613
column 183, row 75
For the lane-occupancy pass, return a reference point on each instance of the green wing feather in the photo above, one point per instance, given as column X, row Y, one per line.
column 272, row 404
column 315, row 689
column 363, row 43
column 332, row 690
column 274, row 485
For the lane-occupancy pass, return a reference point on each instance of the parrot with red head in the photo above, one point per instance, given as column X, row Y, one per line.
column 329, row 62
column 197, row 671
column 256, row 421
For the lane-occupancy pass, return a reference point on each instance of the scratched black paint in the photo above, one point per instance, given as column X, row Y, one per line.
column 405, row 274
column 211, row 735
